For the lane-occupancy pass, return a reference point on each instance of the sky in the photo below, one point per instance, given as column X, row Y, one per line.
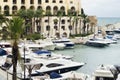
column 101, row 8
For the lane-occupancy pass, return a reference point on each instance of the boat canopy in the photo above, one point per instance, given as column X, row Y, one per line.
column 2, row 52
column 42, row 52
column 54, row 75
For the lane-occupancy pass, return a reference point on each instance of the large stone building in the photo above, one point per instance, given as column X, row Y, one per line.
column 65, row 26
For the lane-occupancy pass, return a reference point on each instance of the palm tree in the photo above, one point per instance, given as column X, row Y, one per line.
column 4, row 31
column 48, row 13
column 16, row 28
column 60, row 14
column 70, row 15
column 3, row 19
column 27, row 15
column 38, row 15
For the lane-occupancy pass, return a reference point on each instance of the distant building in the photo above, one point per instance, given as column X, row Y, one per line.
column 65, row 25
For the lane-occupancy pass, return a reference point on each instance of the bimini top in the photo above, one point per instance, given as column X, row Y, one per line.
column 42, row 52
column 2, row 52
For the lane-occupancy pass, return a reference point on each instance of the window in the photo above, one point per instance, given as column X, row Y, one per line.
column 47, row 1
column 63, row 21
column 63, row 27
column 54, row 1
column 71, row 2
column 5, row 1
column 61, row 1
column 39, row 2
column 14, row 1
column 22, row 1
column 53, row 65
column 31, row 1
column 48, row 28
column 46, row 20
column 55, row 27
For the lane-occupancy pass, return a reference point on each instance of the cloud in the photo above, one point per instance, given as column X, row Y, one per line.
column 101, row 7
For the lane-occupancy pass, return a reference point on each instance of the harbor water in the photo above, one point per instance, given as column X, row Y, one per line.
column 93, row 57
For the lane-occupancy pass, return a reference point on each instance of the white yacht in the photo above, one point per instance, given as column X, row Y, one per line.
column 106, row 72
column 59, row 46
column 66, row 41
column 45, row 54
column 48, row 44
column 6, row 46
column 35, row 66
column 97, row 42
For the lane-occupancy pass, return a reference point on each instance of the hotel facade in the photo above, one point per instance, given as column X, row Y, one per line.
column 65, row 26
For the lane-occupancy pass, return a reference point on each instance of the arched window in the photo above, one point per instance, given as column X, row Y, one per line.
column 48, row 8
column 32, row 7
column 55, row 10
column 64, row 34
column 39, row 8
column 31, row 1
column 6, row 10
column 39, row 1
column 63, row 10
column 14, row 9
column 23, row 7
column 22, row 1
column 14, row 1
column 61, row 1
column 73, row 10
column 54, row 1
column 47, row 1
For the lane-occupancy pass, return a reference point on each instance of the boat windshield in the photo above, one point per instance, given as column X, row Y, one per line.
column 53, row 65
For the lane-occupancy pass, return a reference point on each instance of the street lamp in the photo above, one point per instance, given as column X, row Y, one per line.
column 24, row 59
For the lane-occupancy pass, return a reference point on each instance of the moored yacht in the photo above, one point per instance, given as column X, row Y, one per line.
column 97, row 42
column 106, row 72
column 66, row 41
column 45, row 54
column 38, row 66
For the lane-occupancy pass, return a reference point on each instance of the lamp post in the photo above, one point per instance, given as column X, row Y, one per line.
column 24, row 59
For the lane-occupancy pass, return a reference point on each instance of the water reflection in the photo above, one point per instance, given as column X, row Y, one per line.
column 94, row 56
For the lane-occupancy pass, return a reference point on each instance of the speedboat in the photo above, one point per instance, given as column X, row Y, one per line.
column 66, row 41
column 95, row 42
column 59, row 65
column 45, row 54
column 48, row 44
column 106, row 72
column 35, row 66
column 117, row 30
column 59, row 46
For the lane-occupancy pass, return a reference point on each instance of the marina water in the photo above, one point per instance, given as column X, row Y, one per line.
column 94, row 56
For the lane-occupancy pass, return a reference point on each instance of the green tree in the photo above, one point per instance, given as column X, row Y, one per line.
column 4, row 31
column 27, row 15
column 16, row 28
column 48, row 13
column 60, row 13
column 38, row 15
